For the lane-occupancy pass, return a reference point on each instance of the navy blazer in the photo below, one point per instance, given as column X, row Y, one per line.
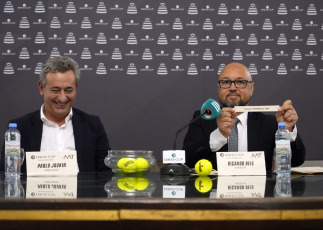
column 261, row 137
column 91, row 140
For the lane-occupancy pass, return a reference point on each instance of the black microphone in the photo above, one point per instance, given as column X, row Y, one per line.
column 210, row 110
column 207, row 111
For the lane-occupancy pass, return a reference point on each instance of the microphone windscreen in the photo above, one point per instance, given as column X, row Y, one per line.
column 213, row 109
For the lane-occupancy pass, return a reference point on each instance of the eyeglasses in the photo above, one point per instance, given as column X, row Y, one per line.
column 239, row 84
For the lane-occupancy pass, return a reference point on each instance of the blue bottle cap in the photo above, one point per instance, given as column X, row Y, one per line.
column 282, row 124
column 12, row 125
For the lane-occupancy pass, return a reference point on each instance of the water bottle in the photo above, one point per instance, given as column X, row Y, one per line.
column 12, row 152
column 283, row 187
column 283, row 151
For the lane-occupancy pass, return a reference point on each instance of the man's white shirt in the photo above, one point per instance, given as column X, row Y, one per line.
column 55, row 137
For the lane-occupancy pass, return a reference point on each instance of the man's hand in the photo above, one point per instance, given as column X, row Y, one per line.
column 287, row 113
column 226, row 121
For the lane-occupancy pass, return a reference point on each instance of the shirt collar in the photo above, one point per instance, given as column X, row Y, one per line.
column 48, row 122
column 243, row 119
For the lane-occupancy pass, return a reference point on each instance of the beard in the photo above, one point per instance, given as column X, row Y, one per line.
column 226, row 103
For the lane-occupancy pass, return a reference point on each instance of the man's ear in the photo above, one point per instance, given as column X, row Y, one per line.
column 41, row 88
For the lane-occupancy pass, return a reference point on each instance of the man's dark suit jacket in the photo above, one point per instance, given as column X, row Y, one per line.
column 261, row 137
column 91, row 140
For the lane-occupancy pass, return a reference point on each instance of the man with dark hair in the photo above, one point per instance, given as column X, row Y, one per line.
column 59, row 127
column 256, row 131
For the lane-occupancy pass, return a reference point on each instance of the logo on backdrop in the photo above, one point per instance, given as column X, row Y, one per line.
column 163, row 39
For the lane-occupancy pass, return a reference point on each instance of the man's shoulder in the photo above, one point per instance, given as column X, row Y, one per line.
column 26, row 117
column 84, row 115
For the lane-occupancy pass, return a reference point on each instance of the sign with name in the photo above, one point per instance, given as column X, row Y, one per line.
column 174, row 191
column 51, row 163
column 241, row 187
column 173, row 156
column 265, row 108
column 241, row 163
column 51, row 187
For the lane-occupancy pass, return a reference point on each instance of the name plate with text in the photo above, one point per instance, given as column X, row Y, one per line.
column 173, row 156
column 51, row 163
column 174, row 191
column 241, row 187
column 51, row 187
column 241, row 163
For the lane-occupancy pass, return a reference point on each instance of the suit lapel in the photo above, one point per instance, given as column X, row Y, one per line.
column 254, row 130
column 78, row 129
column 36, row 132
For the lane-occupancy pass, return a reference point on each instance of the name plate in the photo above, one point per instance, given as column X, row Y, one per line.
column 174, row 191
column 56, row 163
column 51, row 187
column 173, row 156
column 266, row 108
column 241, row 187
column 241, row 163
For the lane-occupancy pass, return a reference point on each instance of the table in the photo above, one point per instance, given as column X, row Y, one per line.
column 101, row 201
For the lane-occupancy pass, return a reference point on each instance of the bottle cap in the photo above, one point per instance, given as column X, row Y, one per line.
column 282, row 124
column 12, row 125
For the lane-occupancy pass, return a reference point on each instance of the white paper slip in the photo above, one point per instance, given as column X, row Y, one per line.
column 51, row 163
column 230, row 187
column 308, row 170
column 241, row 163
column 51, row 187
column 265, row 108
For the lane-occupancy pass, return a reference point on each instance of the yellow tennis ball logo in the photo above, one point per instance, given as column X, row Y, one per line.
column 203, row 184
column 127, row 164
column 203, row 167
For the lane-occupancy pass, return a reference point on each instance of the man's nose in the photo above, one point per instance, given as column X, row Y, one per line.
column 62, row 96
column 232, row 86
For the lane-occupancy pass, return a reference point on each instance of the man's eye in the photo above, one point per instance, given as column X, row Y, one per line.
column 54, row 91
column 226, row 82
column 240, row 82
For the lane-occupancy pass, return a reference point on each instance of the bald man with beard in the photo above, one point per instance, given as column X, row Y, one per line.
column 256, row 130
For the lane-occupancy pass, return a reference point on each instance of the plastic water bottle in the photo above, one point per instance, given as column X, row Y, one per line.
column 12, row 151
column 283, row 151
column 283, row 187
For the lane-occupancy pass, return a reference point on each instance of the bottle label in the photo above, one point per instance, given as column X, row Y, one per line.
column 283, row 146
column 12, row 147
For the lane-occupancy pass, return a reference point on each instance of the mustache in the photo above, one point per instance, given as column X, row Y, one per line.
column 233, row 94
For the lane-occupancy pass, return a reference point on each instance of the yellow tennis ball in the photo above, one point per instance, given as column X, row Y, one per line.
column 120, row 163
column 203, row 184
column 142, row 164
column 127, row 184
column 142, row 183
column 121, row 183
column 127, row 165
column 203, row 167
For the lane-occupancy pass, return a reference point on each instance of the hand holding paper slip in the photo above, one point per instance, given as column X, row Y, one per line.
column 266, row 108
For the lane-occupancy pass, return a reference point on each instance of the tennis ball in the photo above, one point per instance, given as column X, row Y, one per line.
column 142, row 183
column 142, row 164
column 203, row 184
column 120, row 163
column 127, row 165
column 203, row 167
column 127, row 184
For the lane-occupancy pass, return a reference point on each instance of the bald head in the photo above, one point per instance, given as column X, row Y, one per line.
column 235, row 85
column 236, row 68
